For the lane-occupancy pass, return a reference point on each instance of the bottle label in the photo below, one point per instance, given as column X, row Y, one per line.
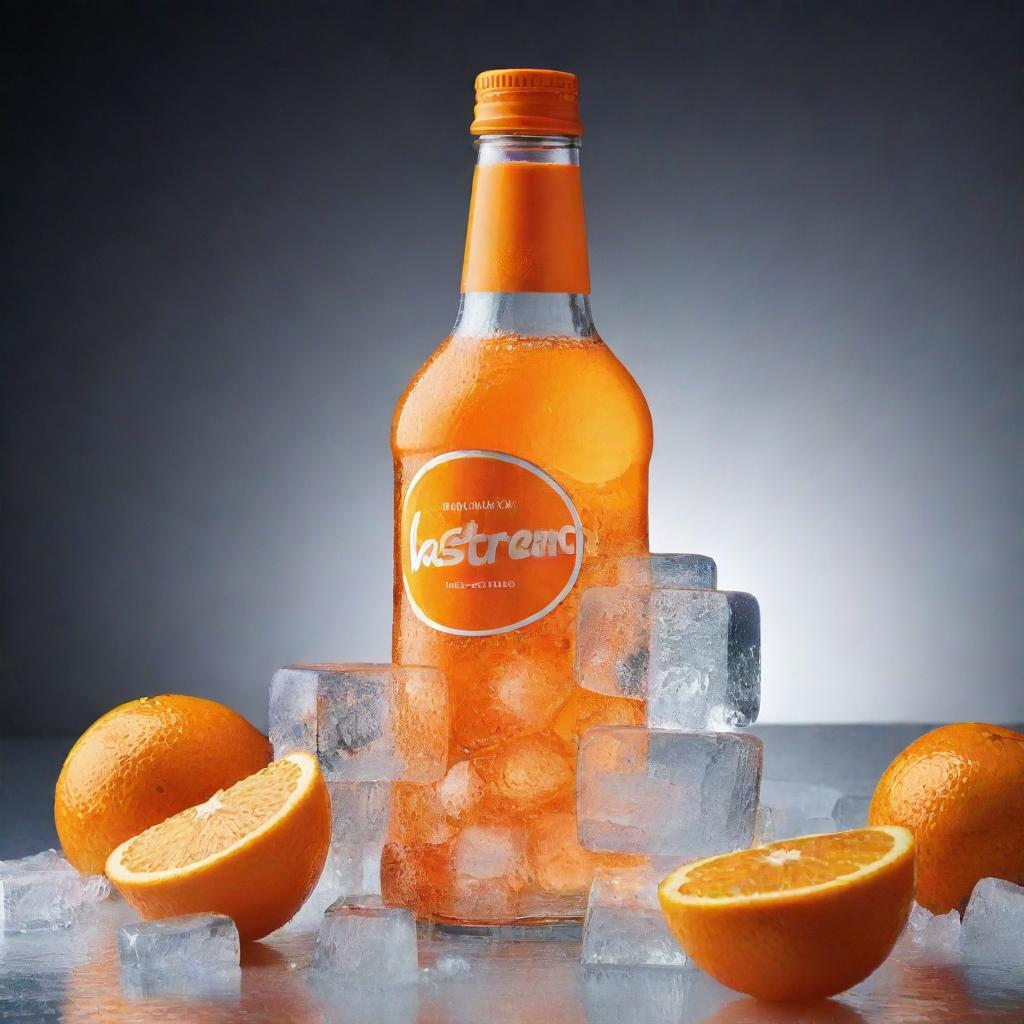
column 489, row 542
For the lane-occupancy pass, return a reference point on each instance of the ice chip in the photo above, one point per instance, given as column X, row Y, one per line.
column 367, row 945
column 799, row 808
column 993, row 925
column 44, row 891
column 667, row 794
column 624, row 923
column 451, row 966
column 936, row 937
column 851, row 812
column 193, row 942
column 693, row 655
column 367, row 723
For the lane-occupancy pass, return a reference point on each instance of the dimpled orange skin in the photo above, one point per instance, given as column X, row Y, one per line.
column 960, row 790
column 144, row 761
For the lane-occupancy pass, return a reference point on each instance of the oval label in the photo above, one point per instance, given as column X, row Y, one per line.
column 489, row 542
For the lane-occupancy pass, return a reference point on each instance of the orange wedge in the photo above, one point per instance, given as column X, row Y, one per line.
column 798, row 919
column 253, row 851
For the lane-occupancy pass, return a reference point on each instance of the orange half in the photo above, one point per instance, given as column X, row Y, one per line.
column 253, row 851
column 797, row 919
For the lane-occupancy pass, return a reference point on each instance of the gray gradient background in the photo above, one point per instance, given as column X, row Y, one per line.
column 234, row 232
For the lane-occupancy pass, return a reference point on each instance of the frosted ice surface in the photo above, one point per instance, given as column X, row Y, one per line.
column 44, row 891
column 935, row 936
column 367, row 723
column 693, row 655
column 192, row 942
column 671, row 571
column 851, row 812
column 993, row 925
column 666, row 793
column 685, row 572
column 367, row 945
column 624, row 923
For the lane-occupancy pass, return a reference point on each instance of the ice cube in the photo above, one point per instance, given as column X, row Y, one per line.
column 693, row 655
column 851, row 812
column 935, row 936
column 798, row 808
column 367, row 945
column 993, row 925
column 624, row 923
column 44, row 891
column 367, row 723
column 667, row 794
column 192, row 942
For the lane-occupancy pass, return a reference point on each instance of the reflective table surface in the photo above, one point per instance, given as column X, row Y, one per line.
column 74, row 975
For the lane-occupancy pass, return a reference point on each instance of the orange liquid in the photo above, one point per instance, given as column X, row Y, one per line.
column 568, row 406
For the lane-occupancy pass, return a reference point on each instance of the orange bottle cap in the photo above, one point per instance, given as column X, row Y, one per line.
column 526, row 101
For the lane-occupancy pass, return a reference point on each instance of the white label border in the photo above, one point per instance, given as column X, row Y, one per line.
column 482, row 453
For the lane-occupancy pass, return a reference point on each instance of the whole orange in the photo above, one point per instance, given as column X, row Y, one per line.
column 960, row 790
column 144, row 761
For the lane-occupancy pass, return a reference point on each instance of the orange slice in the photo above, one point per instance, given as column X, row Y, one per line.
column 796, row 919
column 253, row 851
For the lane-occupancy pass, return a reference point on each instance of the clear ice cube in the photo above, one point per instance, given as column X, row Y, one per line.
column 44, row 891
column 367, row 723
column 667, row 794
column 192, row 942
column 693, row 655
column 993, row 925
column 367, row 945
column 624, row 923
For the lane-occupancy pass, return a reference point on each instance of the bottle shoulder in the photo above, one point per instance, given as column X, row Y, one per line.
column 524, row 395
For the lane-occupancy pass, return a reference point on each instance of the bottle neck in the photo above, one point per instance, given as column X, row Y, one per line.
column 526, row 269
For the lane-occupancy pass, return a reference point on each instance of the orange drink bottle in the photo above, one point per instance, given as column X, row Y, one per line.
column 521, row 451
